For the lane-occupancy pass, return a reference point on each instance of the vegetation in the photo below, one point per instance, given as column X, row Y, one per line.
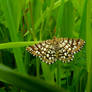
column 26, row 22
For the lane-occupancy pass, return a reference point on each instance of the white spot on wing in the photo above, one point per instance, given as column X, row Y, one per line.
column 47, row 55
column 69, row 49
column 43, row 44
column 44, row 49
column 65, row 41
column 49, row 58
column 65, row 54
column 70, row 41
column 36, row 52
column 66, row 46
column 63, row 44
column 39, row 45
column 47, row 46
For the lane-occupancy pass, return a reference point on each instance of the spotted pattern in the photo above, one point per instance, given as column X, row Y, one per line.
column 62, row 49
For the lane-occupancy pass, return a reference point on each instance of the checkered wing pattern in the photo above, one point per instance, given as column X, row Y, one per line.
column 68, row 47
column 44, row 50
column 50, row 51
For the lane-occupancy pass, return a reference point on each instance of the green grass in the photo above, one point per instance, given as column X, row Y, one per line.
column 17, row 44
column 26, row 82
column 89, row 46
column 28, row 22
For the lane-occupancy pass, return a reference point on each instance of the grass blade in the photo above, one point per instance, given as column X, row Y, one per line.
column 89, row 45
column 10, row 10
column 28, row 83
column 16, row 44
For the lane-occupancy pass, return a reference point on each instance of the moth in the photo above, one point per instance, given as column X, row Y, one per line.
column 51, row 50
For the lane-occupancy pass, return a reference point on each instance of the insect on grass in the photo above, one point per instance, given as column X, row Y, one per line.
column 62, row 49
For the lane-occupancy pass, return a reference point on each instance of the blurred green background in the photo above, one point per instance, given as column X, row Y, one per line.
column 26, row 22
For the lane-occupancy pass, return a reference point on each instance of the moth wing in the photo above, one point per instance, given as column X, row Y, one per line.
column 45, row 51
column 68, row 47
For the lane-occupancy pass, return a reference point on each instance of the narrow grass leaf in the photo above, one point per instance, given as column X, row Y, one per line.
column 25, row 82
column 89, row 45
column 17, row 44
column 11, row 12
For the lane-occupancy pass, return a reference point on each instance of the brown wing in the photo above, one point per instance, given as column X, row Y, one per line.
column 68, row 47
column 58, row 48
column 45, row 51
